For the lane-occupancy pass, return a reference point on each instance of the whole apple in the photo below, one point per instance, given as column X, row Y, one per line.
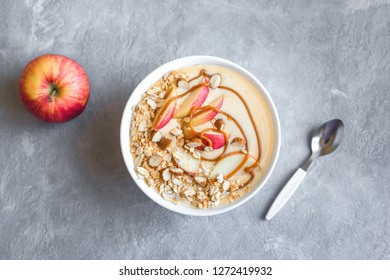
column 54, row 88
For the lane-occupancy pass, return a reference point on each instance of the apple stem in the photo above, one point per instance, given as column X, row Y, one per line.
column 52, row 93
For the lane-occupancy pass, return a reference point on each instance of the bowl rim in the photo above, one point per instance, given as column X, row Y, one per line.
column 134, row 99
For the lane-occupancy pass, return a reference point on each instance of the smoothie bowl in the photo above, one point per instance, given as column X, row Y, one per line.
column 200, row 135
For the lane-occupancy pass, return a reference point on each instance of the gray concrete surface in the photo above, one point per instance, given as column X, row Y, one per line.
column 65, row 192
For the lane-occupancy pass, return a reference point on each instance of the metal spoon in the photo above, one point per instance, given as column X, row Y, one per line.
column 324, row 141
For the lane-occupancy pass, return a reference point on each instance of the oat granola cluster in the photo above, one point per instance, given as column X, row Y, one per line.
column 156, row 157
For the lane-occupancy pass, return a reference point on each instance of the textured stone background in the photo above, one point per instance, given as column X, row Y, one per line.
column 65, row 191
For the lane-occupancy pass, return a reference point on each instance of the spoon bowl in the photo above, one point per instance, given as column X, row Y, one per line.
column 327, row 138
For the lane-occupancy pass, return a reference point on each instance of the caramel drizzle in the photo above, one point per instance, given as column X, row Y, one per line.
column 223, row 155
column 173, row 99
column 249, row 169
column 201, row 73
column 195, row 111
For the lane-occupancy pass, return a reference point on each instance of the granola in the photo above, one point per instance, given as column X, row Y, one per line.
column 175, row 162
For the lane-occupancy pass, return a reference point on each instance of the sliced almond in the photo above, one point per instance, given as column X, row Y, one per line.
column 167, row 158
column 138, row 160
column 167, row 188
column 143, row 126
column 201, row 195
column 194, row 143
column 226, row 185
column 170, row 196
column 156, row 136
column 152, row 104
column 177, row 156
column 214, row 189
column 155, row 174
column 164, row 143
column 139, row 151
column 176, row 131
column 150, row 182
column 182, row 83
column 143, row 172
column 216, row 196
column 215, row 81
column 161, row 188
column 166, row 175
column 162, row 94
column 176, row 171
column 225, row 193
column 188, row 181
column 201, row 180
column 152, row 90
column 190, row 191
column 155, row 161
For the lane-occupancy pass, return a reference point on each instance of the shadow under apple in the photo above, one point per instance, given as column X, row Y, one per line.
column 12, row 110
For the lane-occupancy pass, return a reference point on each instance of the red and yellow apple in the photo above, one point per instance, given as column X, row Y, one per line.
column 188, row 163
column 54, row 88
column 165, row 113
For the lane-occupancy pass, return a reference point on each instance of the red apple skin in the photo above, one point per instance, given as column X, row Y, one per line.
column 217, row 139
column 167, row 116
column 208, row 115
column 163, row 120
column 51, row 72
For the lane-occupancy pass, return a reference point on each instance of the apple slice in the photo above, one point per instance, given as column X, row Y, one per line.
column 186, row 162
column 196, row 98
column 188, row 132
column 166, row 112
column 208, row 115
column 217, row 139
column 242, row 175
column 228, row 163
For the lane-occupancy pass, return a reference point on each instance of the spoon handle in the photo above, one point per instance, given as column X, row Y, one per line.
column 286, row 193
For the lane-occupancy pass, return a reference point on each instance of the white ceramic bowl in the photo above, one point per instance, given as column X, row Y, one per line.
column 136, row 96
